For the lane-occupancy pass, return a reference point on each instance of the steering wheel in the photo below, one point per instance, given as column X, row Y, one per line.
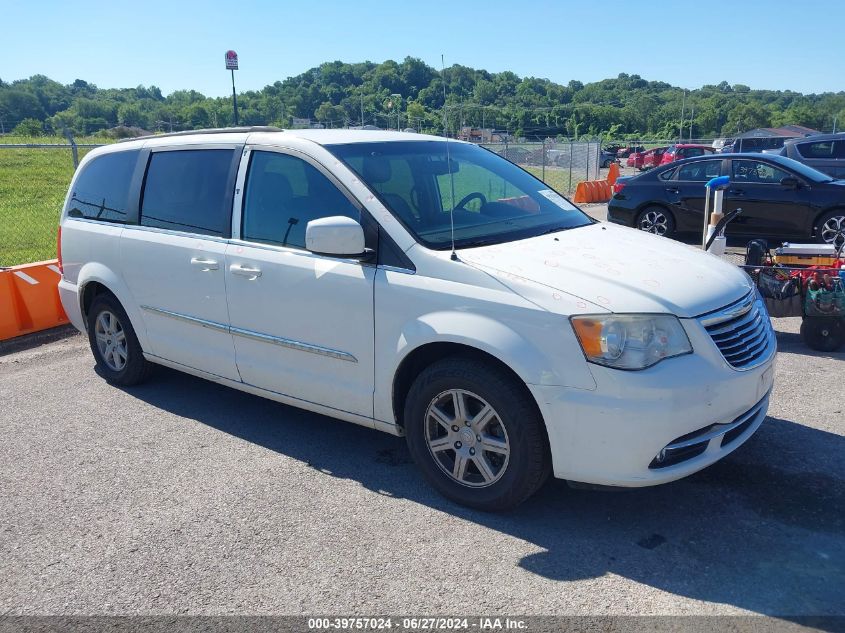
column 466, row 199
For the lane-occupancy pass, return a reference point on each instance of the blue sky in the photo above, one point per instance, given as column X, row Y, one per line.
column 774, row 44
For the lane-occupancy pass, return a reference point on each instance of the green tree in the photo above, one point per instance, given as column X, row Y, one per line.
column 29, row 127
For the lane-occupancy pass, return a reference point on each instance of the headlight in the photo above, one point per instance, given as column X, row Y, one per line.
column 630, row 341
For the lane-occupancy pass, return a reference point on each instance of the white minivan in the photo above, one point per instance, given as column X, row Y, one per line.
column 422, row 287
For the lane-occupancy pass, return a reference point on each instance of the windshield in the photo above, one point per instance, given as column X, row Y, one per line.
column 492, row 200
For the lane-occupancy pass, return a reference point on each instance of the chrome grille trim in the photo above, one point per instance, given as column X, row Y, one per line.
column 742, row 332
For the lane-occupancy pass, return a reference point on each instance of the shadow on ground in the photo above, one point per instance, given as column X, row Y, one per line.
column 762, row 530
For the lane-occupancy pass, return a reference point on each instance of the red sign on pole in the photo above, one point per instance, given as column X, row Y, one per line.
column 231, row 60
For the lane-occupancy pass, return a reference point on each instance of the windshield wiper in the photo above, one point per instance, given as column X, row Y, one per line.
column 474, row 243
column 556, row 229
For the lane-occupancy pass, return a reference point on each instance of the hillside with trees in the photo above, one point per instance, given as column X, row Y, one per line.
column 337, row 94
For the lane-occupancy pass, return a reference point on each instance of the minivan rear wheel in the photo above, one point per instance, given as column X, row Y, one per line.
column 114, row 344
column 475, row 434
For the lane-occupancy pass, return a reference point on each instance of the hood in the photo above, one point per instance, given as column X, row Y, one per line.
column 615, row 269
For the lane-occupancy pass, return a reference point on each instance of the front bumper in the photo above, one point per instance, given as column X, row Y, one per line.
column 641, row 428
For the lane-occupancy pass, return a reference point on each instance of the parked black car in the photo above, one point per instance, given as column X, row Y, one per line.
column 825, row 152
column 781, row 199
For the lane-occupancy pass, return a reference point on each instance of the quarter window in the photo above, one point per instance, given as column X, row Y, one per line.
column 822, row 149
column 283, row 194
column 102, row 190
column 753, row 171
column 187, row 190
column 701, row 171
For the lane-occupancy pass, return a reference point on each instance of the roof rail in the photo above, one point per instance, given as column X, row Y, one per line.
column 216, row 130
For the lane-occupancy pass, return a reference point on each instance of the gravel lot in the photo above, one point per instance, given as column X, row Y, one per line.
column 179, row 496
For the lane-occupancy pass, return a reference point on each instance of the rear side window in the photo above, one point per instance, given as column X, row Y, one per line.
column 186, row 190
column 700, row 171
column 822, row 149
column 101, row 192
column 689, row 152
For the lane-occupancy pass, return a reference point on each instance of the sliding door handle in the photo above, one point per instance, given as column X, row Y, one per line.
column 205, row 265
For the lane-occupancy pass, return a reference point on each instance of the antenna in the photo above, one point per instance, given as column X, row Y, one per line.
column 454, row 255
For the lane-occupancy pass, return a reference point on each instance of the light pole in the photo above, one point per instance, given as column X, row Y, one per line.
column 398, row 108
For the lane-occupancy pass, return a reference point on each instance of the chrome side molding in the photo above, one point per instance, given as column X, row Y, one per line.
column 256, row 336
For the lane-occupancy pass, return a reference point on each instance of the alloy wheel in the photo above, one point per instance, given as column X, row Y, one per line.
column 111, row 341
column 833, row 230
column 467, row 439
column 654, row 222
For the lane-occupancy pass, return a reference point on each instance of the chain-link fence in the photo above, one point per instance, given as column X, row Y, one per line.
column 33, row 182
column 34, row 178
column 561, row 165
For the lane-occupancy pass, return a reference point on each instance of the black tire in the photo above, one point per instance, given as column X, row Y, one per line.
column 823, row 334
column 647, row 221
column 829, row 221
column 135, row 368
column 528, row 464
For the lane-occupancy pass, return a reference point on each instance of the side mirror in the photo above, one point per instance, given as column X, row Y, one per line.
column 790, row 182
column 338, row 236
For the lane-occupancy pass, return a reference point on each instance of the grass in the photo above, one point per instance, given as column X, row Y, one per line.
column 558, row 178
column 33, row 184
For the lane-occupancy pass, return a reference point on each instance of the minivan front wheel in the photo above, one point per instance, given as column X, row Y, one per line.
column 475, row 434
column 114, row 344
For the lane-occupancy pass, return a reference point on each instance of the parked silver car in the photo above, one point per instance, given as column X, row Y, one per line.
column 825, row 152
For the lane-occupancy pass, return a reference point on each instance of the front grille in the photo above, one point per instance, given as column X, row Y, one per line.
column 742, row 332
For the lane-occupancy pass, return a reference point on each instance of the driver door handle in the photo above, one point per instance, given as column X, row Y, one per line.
column 672, row 190
column 737, row 192
column 245, row 271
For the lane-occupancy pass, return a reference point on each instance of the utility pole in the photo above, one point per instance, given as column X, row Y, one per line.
column 362, row 109
column 692, row 116
column 681, row 126
column 398, row 109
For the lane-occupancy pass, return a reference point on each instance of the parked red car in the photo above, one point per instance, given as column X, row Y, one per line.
column 684, row 150
column 635, row 159
column 652, row 158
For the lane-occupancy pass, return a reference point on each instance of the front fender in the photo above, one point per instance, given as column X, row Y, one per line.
column 536, row 348
column 499, row 340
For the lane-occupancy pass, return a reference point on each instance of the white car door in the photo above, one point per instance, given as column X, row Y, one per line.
column 302, row 323
column 173, row 260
